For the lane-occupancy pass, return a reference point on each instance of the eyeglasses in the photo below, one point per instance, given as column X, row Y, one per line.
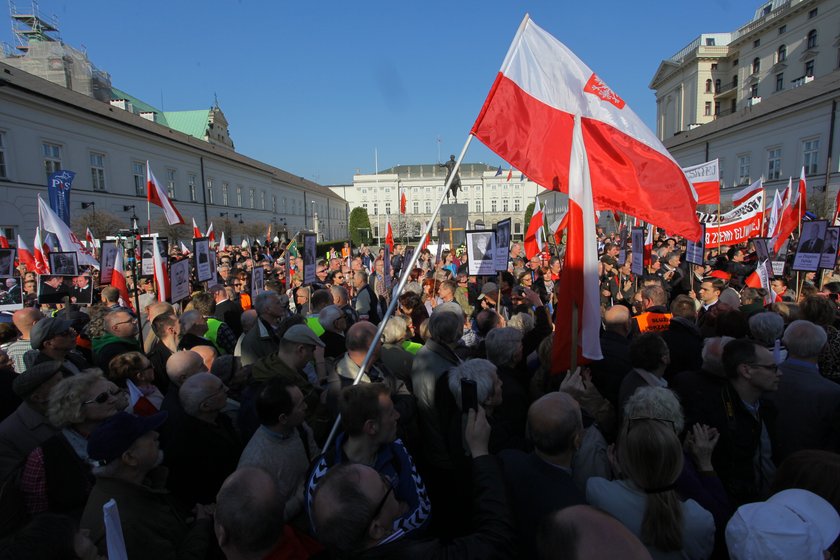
column 321, row 271
column 634, row 420
column 132, row 320
column 103, row 397
column 771, row 367
column 222, row 389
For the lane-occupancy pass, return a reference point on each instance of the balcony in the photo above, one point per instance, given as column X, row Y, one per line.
column 801, row 81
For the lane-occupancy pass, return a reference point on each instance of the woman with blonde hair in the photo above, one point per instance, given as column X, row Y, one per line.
column 651, row 457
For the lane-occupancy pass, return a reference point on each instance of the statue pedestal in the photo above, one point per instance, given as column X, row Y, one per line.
column 453, row 222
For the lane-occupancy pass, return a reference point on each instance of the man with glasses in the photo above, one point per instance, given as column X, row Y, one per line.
column 370, row 419
column 119, row 336
column 55, row 340
column 745, row 420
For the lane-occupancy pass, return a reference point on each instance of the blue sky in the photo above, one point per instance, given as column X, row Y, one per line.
column 315, row 87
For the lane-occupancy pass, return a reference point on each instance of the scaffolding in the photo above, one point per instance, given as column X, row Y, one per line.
column 29, row 26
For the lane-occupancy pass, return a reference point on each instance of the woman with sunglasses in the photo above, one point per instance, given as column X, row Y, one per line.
column 57, row 475
column 133, row 372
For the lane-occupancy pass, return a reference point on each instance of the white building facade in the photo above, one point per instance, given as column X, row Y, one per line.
column 489, row 196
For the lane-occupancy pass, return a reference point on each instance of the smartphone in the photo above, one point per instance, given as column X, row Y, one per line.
column 469, row 395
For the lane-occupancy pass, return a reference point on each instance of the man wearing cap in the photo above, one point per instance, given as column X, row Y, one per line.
column 23, row 319
column 120, row 336
column 54, row 339
column 127, row 451
column 296, row 349
column 27, row 427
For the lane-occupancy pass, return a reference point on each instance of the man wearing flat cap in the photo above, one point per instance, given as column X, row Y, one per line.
column 27, row 427
column 295, row 350
column 54, row 339
column 126, row 450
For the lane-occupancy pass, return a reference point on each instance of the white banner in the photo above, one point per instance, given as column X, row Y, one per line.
column 749, row 209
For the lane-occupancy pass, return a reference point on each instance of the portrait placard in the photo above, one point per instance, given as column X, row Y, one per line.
column 637, row 240
column 11, row 294
column 828, row 257
column 147, row 262
column 107, row 256
column 809, row 248
column 64, row 263
column 310, row 251
column 7, row 263
column 201, row 253
column 481, row 250
column 257, row 280
column 179, row 280
column 503, row 229
column 694, row 251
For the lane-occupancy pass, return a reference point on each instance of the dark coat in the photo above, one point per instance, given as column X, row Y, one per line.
column 230, row 313
column 608, row 372
column 685, row 344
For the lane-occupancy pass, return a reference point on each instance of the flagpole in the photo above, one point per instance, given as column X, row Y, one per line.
column 148, row 202
column 403, row 280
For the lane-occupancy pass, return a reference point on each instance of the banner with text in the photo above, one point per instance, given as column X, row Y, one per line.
column 737, row 225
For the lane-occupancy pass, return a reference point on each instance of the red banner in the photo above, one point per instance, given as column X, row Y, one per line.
column 733, row 233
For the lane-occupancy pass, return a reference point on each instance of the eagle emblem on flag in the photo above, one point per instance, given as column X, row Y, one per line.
column 597, row 87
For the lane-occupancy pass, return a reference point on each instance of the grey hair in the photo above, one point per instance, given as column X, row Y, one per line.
column 189, row 319
column 804, row 339
column 479, row 370
column 446, row 327
column 502, row 345
column 340, row 291
column 395, row 330
column 66, row 398
column 712, row 354
column 263, row 299
column 523, row 322
column 766, row 327
column 328, row 315
column 195, row 391
column 655, row 402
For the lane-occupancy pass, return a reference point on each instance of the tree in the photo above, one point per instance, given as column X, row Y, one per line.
column 359, row 226
column 529, row 211
column 253, row 230
column 101, row 224
column 174, row 233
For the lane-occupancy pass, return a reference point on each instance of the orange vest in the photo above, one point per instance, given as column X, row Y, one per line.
column 245, row 301
column 653, row 322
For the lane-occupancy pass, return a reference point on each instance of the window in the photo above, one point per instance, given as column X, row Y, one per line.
column 493, row 205
column 364, row 191
column 714, row 66
column 4, row 172
column 170, row 182
column 756, row 43
column 809, row 68
column 387, row 207
column 717, row 85
column 505, row 205
column 478, row 205
column 744, row 169
column 780, row 82
column 733, row 105
column 708, row 86
column 782, row 29
column 774, row 163
column 781, row 54
column 812, row 14
column 754, row 90
column 191, row 185
column 516, row 205
column 262, row 200
column 239, row 196
column 52, row 157
column 210, row 191
column 252, row 198
column 517, row 228
column 364, row 205
column 707, row 109
column 97, row 171
column 225, row 200
column 138, row 174
column 812, row 39
column 810, row 150
column 415, row 207
column 735, row 63
column 717, row 108
column 756, row 65
column 428, row 207
column 376, row 208
column 710, row 41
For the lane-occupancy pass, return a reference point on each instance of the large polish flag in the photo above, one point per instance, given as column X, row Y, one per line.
column 25, row 256
column 67, row 240
column 795, row 206
column 775, row 212
column 157, row 196
column 161, row 274
column 705, row 178
column 4, row 241
column 118, row 278
column 41, row 264
column 528, row 119
column 747, row 193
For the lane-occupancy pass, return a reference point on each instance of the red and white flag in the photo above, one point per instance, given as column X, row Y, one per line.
column 89, row 237
column 705, row 178
column 389, row 237
column 118, row 279
column 4, row 242
column 795, row 206
column 184, row 250
column 558, row 227
column 196, row 231
column 745, row 194
column 535, row 235
column 161, row 273
column 211, row 235
column 67, row 240
column 579, row 277
column 157, row 196
column 648, row 249
column 25, row 256
column 775, row 212
column 528, row 119
column 222, row 245
column 41, row 264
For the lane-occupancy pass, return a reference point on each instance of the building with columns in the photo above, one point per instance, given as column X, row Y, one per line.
column 58, row 111
column 762, row 99
column 489, row 195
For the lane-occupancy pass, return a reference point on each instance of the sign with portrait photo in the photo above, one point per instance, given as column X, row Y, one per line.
column 257, row 280
column 53, row 288
column 201, row 253
column 7, row 263
column 64, row 264
column 214, row 276
column 11, row 294
column 503, row 228
column 310, row 253
column 637, row 240
column 694, row 251
column 828, row 257
column 179, row 280
column 147, row 262
column 481, row 253
column 809, row 249
column 107, row 256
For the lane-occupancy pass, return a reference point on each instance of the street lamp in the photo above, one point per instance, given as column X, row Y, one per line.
column 91, row 204
column 133, row 217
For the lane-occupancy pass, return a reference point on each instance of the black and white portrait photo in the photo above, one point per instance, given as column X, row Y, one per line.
column 809, row 249
column 201, row 251
column 828, row 258
column 179, row 280
column 502, row 244
column 64, row 264
column 107, row 256
column 481, row 252
column 11, row 294
column 147, row 266
column 7, row 262
column 310, row 249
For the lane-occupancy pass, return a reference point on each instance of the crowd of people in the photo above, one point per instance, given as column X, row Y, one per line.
column 710, row 428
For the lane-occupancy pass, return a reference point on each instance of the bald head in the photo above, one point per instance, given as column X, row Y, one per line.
column 617, row 319
column 555, row 425
column 182, row 365
column 578, row 532
column 25, row 318
column 249, row 514
column 360, row 336
column 159, row 308
column 208, row 354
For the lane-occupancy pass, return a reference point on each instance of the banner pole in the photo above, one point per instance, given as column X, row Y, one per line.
column 574, row 344
column 403, row 281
